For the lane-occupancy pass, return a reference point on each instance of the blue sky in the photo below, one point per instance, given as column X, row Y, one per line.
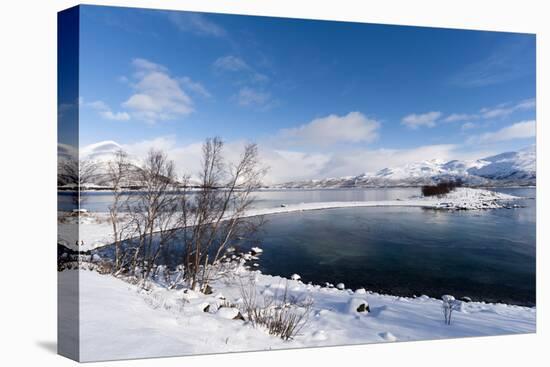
column 321, row 98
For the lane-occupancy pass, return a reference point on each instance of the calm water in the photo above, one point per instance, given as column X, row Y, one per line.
column 486, row 255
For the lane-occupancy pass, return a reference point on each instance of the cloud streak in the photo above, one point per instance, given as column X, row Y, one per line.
column 196, row 23
column 234, row 64
column 519, row 130
column 431, row 119
column 510, row 60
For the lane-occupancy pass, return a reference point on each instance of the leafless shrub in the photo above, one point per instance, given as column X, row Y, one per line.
column 281, row 316
column 449, row 305
column 441, row 188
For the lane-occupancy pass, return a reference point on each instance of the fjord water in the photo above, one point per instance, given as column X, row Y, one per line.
column 486, row 255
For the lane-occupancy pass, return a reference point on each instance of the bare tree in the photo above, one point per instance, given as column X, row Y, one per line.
column 77, row 173
column 153, row 211
column 213, row 217
column 118, row 170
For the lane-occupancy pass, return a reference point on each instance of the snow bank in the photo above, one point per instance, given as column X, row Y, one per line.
column 95, row 230
column 119, row 320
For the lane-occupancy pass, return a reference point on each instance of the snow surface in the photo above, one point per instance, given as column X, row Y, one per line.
column 119, row 320
column 95, row 230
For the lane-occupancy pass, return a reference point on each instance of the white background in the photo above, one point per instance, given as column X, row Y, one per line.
column 28, row 181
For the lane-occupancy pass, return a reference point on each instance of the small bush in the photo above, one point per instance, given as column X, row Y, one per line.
column 281, row 316
column 449, row 305
column 441, row 188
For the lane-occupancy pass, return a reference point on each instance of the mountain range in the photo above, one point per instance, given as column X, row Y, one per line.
column 505, row 169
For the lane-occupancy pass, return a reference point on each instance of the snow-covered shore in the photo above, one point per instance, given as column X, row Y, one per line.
column 96, row 231
column 120, row 320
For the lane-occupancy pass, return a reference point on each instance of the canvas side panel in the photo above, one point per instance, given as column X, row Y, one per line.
column 67, row 183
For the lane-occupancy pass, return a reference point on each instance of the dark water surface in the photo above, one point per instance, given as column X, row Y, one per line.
column 486, row 255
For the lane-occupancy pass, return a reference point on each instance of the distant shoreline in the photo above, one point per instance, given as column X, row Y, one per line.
column 263, row 189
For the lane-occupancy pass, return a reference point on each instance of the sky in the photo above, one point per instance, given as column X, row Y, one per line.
column 320, row 98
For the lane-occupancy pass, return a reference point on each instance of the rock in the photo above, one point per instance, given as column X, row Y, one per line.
column 466, row 299
column 360, row 291
column 206, row 309
column 340, row 286
column 358, row 304
column 207, row 289
column 295, row 277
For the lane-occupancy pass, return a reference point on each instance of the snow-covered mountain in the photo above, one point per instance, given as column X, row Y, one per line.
column 506, row 169
column 93, row 166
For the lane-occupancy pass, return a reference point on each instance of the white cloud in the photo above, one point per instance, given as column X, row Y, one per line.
column 351, row 128
column 287, row 165
column 519, row 130
column 196, row 23
column 157, row 95
column 117, row 116
column 105, row 111
column 430, row 119
column 251, row 97
column 415, row 121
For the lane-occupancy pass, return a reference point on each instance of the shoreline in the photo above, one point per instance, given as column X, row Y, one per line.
column 95, row 231
column 335, row 188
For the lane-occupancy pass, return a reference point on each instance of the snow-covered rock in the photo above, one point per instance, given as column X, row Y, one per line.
column 357, row 304
column 256, row 250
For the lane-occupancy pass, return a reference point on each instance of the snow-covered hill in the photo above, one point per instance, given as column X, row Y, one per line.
column 506, row 169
